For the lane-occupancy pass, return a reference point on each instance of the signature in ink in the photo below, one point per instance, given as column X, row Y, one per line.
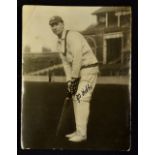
column 83, row 92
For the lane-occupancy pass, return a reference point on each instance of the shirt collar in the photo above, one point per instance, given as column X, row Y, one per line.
column 63, row 35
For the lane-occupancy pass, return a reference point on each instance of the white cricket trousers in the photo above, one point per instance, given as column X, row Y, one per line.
column 81, row 102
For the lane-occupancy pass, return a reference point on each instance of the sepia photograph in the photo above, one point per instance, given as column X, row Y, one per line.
column 76, row 77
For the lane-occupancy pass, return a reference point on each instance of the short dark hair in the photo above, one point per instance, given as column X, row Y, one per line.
column 55, row 19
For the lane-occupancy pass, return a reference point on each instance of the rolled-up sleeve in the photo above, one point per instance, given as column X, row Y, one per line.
column 75, row 44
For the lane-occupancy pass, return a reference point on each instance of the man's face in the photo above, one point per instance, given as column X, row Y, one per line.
column 57, row 28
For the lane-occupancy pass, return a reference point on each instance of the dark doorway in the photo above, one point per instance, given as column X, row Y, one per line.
column 114, row 46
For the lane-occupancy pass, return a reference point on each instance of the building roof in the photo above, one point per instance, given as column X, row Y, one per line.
column 110, row 9
column 93, row 29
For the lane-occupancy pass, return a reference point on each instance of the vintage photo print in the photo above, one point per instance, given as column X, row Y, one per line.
column 76, row 77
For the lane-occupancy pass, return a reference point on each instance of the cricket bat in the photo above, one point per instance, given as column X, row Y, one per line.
column 67, row 119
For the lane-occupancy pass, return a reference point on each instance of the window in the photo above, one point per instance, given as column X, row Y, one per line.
column 125, row 20
column 112, row 19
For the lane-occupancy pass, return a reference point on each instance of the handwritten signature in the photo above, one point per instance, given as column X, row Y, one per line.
column 83, row 92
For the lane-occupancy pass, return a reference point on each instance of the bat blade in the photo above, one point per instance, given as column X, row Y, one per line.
column 66, row 118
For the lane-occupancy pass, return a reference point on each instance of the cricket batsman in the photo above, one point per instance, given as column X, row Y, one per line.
column 81, row 69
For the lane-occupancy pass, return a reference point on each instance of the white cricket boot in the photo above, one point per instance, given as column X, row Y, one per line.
column 71, row 135
column 78, row 138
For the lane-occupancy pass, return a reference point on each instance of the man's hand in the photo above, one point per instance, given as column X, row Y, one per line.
column 73, row 85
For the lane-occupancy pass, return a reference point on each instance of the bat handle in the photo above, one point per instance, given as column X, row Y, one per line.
column 68, row 95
